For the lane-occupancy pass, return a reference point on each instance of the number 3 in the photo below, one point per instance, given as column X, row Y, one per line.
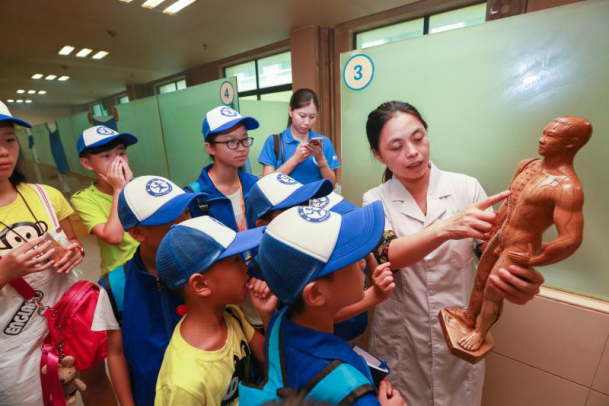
column 358, row 71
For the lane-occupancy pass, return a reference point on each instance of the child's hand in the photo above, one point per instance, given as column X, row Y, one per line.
column 72, row 258
column 263, row 300
column 388, row 396
column 115, row 176
column 383, row 281
column 26, row 259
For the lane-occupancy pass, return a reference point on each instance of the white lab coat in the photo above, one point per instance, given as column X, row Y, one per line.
column 405, row 328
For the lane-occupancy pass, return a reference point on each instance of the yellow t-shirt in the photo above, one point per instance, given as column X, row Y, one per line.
column 25, row 225
column 94, row 207
column 190, row 376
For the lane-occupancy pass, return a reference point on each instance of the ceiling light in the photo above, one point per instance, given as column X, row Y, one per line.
column 63, row 78
column 84, row 52
column 126, row 1
column 11, row 101
column 28, row 101
column 42, row 92
column 51, row 77
column 100, row 55
column 66, row 50
column 31, row 92
column 177, row 6
column 20, row 91
column 152, row 3
column 37, row 76
column 19, row 101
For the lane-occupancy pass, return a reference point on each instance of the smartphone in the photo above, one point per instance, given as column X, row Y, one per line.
column 316, row 141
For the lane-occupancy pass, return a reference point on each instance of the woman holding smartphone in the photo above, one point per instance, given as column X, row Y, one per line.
column 298, row 151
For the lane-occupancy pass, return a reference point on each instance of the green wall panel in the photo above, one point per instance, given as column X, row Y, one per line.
column 24, row 148
column 68, row 141
column 487, row 92
column 80, row 122
column 273, row 118
column 182, row 115
column 42, row 144
column 141, row 118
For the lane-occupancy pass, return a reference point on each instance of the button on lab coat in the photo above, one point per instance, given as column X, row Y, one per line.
column 405, row 329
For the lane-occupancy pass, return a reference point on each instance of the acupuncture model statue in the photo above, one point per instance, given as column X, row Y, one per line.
column 544, row 191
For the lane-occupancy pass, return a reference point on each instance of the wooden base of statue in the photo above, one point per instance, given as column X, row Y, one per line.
column 453, row 330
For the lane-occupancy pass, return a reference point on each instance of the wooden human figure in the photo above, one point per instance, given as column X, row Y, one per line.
column 544, row 191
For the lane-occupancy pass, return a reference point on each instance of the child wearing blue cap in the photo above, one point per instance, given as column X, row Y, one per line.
column 211, row 348
column 103, row 151
column 312, row 260
column 147, row 207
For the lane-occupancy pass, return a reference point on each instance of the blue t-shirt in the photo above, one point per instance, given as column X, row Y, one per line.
column 305, row 172
column 148, row 320
column 306, row 352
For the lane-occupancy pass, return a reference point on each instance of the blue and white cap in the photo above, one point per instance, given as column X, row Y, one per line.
column 152, row 201
column 194, row 245
column 303, row 244
column 5, row 115
column 101, row 135
column 333, row 202
column 279, row 191
column 222, row 118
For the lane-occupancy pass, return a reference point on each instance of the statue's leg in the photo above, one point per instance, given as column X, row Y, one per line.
column 485, row 266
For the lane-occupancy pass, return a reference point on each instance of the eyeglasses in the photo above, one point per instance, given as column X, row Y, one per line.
column 234, row 144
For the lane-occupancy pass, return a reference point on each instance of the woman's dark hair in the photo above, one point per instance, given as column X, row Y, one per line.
column 302, row 98
column 379, row 117
column 17, row 176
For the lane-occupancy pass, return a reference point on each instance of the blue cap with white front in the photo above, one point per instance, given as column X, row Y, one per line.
column 333, row 202
column 279, row 191
column 152, row 201
column 5, row 115
column 195, row 245
column 101, row 135
column 222, row 118
column 303, row 244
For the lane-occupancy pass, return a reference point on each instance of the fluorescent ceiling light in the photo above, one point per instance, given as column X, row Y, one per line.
column 126, row 1
column 28, row 101
column 152, row 3
column 20, row 91
column 31, row 92
column 42, row 92
column 177, row 6
column 66, row 50
column 63, row 78
column 84, row 52
column 100, row 55
column 51, row 77
column 11, row 101
column 37, row 76
column 19, row 101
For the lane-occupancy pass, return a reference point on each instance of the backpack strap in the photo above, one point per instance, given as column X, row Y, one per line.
column 200, row 202
column 114, row 283
column 234, row 315
column 46, row 202
column 338, row 383
column 193, row 187
column 278, row 148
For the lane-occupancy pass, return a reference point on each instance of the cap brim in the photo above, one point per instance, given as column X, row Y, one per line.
column 171, row 210
column 305, row 193
column 250, row 124
column 360, row 233
column 15, row 120
column 244, row 241
column 126, row 138
column 343, row 207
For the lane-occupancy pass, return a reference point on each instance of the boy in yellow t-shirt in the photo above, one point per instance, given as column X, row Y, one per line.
column 103, row 151
column 212, row 347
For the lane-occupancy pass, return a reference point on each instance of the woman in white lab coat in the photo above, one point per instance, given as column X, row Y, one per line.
column 433, row 221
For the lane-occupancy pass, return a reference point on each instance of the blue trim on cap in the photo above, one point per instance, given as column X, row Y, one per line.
column 15, row 120
column 244, row 241
column 343, row 207
column 127, row 138
column 250, row 124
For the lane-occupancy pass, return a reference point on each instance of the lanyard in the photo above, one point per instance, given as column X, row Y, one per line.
column 242, row 226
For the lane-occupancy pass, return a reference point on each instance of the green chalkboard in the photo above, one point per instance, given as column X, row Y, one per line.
column 141, row 118
column 182, row 115
column 487, row 92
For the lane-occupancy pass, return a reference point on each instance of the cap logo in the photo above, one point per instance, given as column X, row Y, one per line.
column 158, row 187
column 285, row 179
column 228, row 112
column 319, row 203
column 101, row 130
column 313, row 214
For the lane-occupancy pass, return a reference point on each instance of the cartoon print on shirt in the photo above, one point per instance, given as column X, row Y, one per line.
column 242, row 372
column 21, row 233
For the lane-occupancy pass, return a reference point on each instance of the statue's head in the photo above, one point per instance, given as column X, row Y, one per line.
column 565, row 134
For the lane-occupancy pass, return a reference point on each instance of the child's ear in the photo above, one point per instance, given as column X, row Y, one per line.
column 313, row 295
column 85, row 163
column 137, row 233
column 199, row 285
column 210, row 149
